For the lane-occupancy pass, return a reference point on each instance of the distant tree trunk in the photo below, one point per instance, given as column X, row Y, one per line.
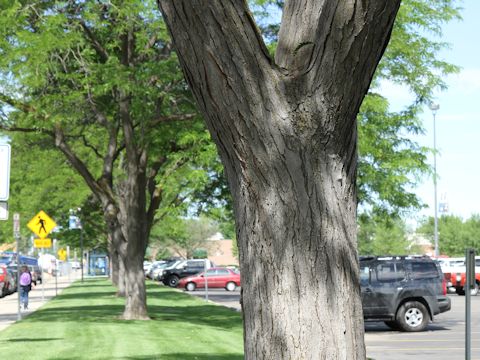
column 120, row 261
column 113, row 262
column 286, row 132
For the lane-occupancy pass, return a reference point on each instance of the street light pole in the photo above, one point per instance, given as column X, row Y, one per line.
column 434, row 108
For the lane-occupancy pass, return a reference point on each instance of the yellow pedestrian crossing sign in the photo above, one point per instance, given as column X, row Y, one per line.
column 62, row 254
column 41, row 224
column 42, row 243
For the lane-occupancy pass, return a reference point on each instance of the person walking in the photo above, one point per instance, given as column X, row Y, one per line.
column 25, row 286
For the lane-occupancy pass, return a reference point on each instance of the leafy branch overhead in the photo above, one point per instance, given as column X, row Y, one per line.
column 66, row 67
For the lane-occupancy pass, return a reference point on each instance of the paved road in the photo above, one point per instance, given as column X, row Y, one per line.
column 443, row 340
column 221, row 296
column 37, row 297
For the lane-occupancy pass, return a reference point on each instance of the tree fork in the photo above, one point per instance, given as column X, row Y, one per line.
column 286, row 133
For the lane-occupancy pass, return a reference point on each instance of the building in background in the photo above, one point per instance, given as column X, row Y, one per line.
column 220, row 251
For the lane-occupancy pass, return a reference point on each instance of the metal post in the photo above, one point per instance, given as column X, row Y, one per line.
column 434, row 108
column 81, row 251
column 469, row 281
column 43, row 278
column 56, row 277
column 19, row 314
column 16, row 235
column 206, row 279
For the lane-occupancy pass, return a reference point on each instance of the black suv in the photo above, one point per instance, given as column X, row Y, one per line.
column 403, row 291
column 186, row 268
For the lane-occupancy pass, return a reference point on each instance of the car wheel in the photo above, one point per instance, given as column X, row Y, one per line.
column 190, row 286
column 392, row 325
column 173, row 281
column 460, row 292
column 412, row 316
column 231, row 286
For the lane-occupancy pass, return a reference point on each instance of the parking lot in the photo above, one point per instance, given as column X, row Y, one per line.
column 443, row 340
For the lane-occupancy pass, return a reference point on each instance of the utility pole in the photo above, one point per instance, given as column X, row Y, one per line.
column 434, row 107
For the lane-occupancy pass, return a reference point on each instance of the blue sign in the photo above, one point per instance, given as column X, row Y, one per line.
column 74, row 222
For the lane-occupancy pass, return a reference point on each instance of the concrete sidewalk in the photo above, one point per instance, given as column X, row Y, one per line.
column 39, row 295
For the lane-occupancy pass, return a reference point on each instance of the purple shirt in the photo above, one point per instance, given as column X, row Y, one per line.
column 25, row 279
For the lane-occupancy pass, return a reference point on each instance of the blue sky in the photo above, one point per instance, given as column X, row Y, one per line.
column 457, row 121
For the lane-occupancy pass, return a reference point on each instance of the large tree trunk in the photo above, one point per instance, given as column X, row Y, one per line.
column 135, row 228
column 286, row 132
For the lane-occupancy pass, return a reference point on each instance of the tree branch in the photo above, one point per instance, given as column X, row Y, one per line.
column 172, row 118
column 78, row 164
column 27, row 130
column 94, row 41
column 150, row 43
column 16, row 104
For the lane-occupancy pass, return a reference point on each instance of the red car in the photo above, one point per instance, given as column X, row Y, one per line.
column 216, row 278
column 8, row 283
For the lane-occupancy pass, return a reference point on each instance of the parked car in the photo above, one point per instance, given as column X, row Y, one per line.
column 8, row 281
column 146, row 266
column 159, row 271
column 404, row 292
column 454, row 270
column 171, row 276
column 153, row 267
column 216, row 278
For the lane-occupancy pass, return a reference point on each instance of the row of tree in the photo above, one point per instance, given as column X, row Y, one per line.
column 100, row 82
column 386, row 236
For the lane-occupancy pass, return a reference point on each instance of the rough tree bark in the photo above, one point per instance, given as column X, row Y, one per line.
column 116, row 242
column 286, row 133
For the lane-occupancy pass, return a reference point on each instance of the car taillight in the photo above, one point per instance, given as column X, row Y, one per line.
column 444, row 287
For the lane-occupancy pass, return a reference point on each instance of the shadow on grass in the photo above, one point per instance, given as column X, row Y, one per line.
column 101, row 305
column 208, row 315
column 87, row 313
column 30, row 339
column 174, row 356
column 90, row 283
column 90, row 295
column 184, row 356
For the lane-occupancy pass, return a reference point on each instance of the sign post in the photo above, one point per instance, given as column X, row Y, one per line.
column 469, row 285
column 16, row 235
column 41, row 225
column 74, row 222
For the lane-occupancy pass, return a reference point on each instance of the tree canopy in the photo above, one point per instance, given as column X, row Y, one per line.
column 454, row 233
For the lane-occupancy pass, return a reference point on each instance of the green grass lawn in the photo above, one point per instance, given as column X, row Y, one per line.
column 83, row 323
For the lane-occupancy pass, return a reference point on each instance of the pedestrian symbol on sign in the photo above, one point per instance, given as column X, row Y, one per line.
column 41, row 222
